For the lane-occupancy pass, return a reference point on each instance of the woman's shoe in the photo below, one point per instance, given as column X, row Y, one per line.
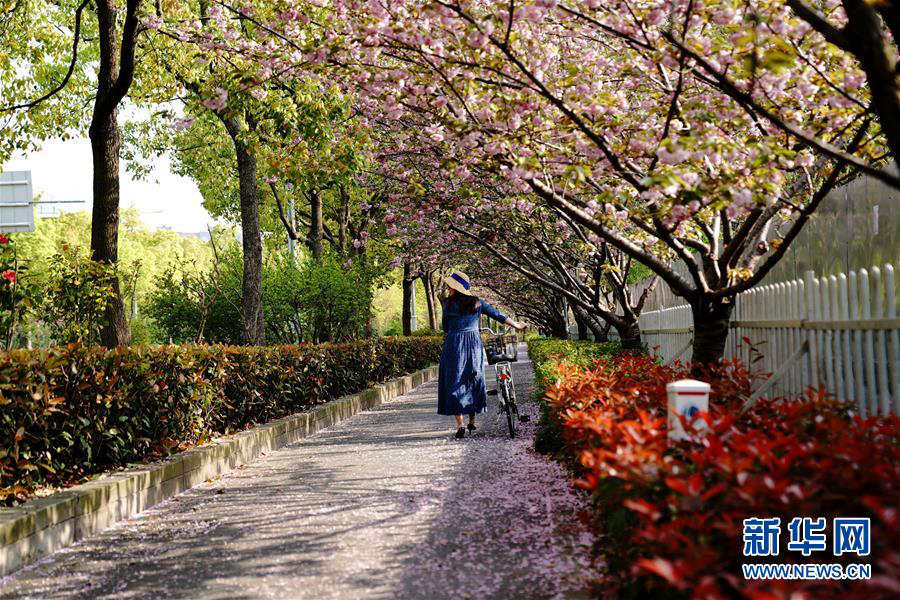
column 471, row 427
column 460, row 433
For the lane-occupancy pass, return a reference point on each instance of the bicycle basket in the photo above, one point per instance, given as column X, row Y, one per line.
column 502, row 348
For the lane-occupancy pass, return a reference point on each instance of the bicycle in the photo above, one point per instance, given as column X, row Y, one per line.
column 502, row 350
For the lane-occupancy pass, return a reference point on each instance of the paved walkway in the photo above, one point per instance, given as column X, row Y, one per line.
column 385, row 505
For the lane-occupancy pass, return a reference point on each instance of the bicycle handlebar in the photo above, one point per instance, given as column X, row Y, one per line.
column 506, row 331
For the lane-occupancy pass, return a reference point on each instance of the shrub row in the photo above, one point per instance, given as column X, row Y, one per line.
column 66, row 413
column 547, row 356
column 672, row 514
column 548, row 353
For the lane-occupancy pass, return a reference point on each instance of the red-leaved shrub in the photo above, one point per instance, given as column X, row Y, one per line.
column 672, row 513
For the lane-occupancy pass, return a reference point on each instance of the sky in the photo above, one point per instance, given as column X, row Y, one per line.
column 62, row 171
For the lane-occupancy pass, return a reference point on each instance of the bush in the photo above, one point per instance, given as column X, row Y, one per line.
column 70, row 412
column 311, row 301
column 334, row 300
column 76, row 296
column 142, row 332
column 547, row 355
column 582, row 352
column 672, row 513
column 188, row 305
column 394, row 329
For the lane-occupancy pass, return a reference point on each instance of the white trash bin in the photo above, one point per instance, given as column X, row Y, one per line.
column 686, row 397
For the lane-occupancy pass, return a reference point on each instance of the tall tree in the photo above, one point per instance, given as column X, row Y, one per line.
column 114, row 47
column 316, row 224
column 408, row 298
column 251, row 238
column 211, row 86
column 115, row 75
column 427, row 278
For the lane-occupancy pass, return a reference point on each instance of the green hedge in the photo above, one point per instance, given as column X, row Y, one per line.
column 546, row 354
column 66, row 413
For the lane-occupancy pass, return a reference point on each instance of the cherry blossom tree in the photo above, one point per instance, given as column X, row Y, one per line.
column 591, row 278
column 610, row 112
column 869, row 32
column 539, row 306
column 487, row 224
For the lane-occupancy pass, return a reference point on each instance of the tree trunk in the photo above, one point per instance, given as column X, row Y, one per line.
column 251, row 301
column 581, row 323
column 557, row 320
column 105, row 144
column 114, row 78
column 343, row 222
column 630, row 334
column 408, row 283
column 602, row 334
column 870, row 43
column 711, row 319
column 429, row 300
column 599, row 329
column 559, row 330
column 316, row 225
column 342, row 236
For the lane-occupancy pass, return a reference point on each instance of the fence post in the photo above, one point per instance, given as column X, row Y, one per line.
column 826, row 336
column 797, row 334
column 865, row 313
column 809, row 314
column 894, row 339
column 857, row 348
column 884, row 397
column 837, row 357
column 657, row 339
column 849, row 385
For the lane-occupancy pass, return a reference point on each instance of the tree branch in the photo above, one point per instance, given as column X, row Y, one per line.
column 76, row 37
column 818, row 22
column 728, row 87
column 292, row 233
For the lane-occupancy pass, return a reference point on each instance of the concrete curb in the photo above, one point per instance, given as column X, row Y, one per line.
column 44, row 525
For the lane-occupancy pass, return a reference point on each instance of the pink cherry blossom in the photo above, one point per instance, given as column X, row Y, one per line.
column 217, row 102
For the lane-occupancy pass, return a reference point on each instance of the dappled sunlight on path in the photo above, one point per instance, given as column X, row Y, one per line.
column 509, row 521
column 384, row 505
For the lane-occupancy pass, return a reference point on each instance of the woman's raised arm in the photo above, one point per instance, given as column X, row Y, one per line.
column 495, row 314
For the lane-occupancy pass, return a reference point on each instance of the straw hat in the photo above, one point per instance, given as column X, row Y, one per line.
column 459, row 281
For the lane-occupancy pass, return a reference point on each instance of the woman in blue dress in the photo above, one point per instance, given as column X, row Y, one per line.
column 461, row 389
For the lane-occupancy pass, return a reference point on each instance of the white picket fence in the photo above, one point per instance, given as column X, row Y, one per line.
column 838, row 331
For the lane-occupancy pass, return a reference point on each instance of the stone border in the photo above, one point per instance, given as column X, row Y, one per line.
column 44, row 525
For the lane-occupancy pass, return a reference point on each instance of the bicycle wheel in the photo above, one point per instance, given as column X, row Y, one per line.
column 512, row 389
column 510, row 422
column 509, row 407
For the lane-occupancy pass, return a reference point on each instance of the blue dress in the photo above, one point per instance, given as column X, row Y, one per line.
column 461, row 388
